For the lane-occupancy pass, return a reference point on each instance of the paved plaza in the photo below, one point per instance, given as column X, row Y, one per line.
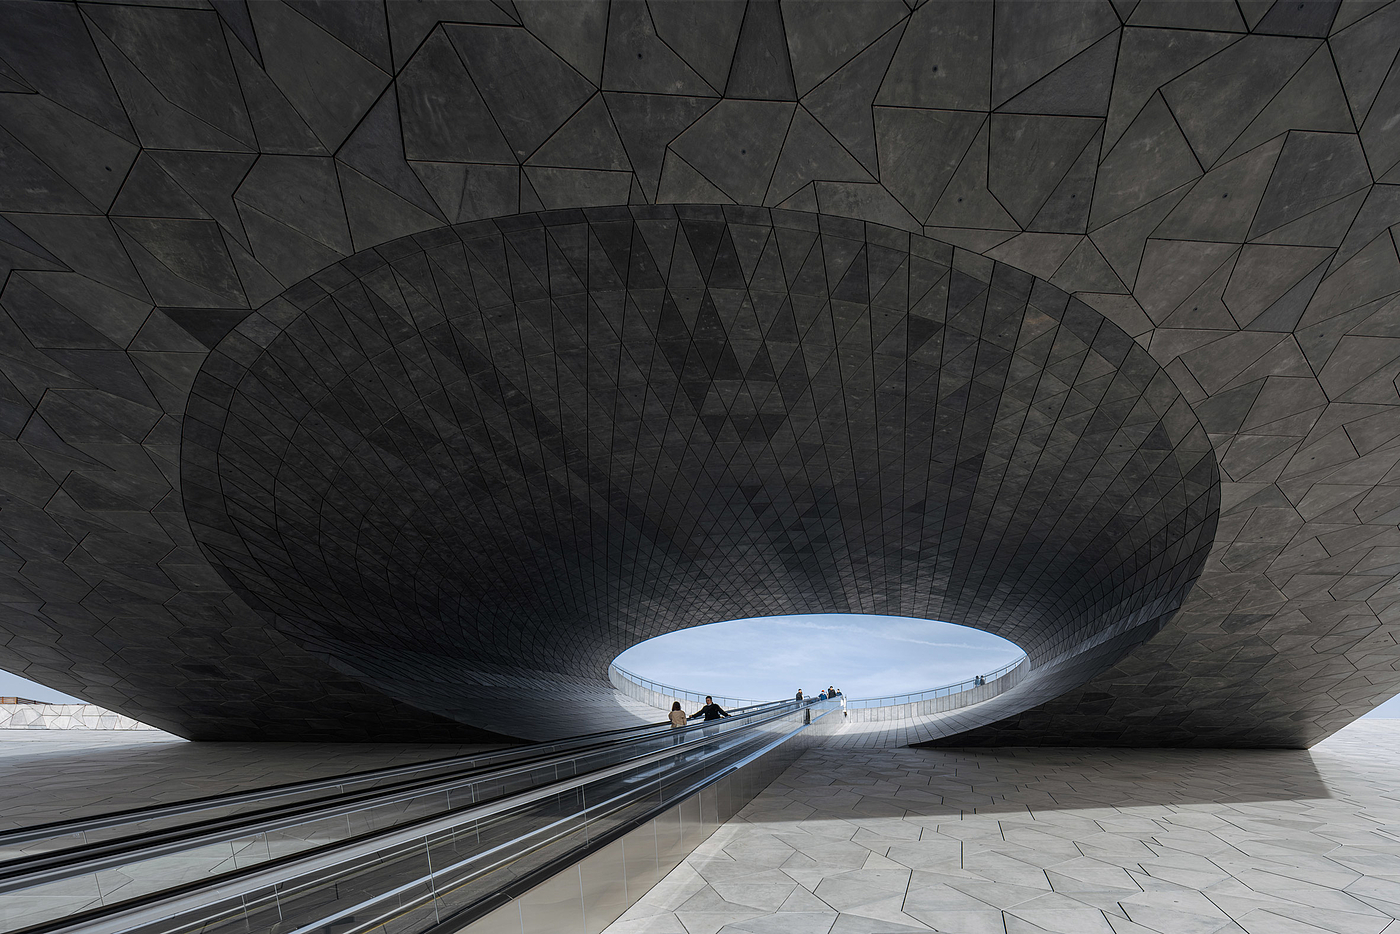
column 1071, row 841
column 49, row 775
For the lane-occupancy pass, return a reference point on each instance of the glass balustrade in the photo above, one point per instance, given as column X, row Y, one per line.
column 461, row 821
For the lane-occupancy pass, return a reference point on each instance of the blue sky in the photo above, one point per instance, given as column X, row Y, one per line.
column 15, row 686
column 865, row 656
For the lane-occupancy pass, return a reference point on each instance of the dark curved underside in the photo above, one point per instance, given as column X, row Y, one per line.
column 478, row 464
column 1221, row 181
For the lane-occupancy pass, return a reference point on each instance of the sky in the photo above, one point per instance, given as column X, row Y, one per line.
column 15, row 686
column 864, row 656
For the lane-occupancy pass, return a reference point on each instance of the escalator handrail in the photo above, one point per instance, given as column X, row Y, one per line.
column 529, row 880
column 56, row 865
column 168, row 903
column 514, row 755
column 519, row 886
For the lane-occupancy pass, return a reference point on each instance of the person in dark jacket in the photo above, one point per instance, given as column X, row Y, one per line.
column 799, row 694
column 711, row 710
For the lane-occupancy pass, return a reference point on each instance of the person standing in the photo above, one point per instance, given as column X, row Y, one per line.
column 677, row 717
column 711, row 710
column 799, row 694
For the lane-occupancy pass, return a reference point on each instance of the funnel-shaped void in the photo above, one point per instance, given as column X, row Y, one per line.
column 472, row 466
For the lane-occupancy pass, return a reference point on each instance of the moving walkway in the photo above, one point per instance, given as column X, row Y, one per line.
column 427, row 847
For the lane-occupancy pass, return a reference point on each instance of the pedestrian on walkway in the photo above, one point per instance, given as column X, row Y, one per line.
column 799, row 694
column 711, row 710
column 677, row 717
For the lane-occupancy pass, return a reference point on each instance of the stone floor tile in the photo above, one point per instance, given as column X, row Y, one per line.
column 717, row 872
column 889, row 910
column 766, row 897
column 1057, row 921
column 932, row 853
column 1089, row 837
column 1087, row 873
column 999, row 867
column 786, row 922
column 855, row 924
column 1266, row 922
column 1299, row 890
column 1339, row 922
column 802, row 899
column 1159, row 917
column 979, row 921
column 921, row 900
column 1054, row 901
column 886, row 834
column 835, row 854
column 711, row 922
column 849, row 890
column 666, row 923
column 670, row 896
column 1177, row 875
column 997, row 894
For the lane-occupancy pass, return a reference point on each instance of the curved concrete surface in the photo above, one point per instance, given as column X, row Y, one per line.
column 252, row 203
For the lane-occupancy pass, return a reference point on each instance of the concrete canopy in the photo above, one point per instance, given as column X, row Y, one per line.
column 242, row 243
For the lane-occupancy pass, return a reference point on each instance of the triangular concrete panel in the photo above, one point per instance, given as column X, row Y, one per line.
column 1079, row 87
column 842, row 103
column 1158, row 56
column 810, row 152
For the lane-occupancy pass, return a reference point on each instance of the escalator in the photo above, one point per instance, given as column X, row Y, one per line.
column 428, row 847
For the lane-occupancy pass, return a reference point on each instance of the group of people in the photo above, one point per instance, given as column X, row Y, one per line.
column 713, row 711
column 830, row 692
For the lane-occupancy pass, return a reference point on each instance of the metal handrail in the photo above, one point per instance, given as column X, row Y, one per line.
column 890, row 700
column 533, row 754
column 87, row 858
column 894, row 700
column 276, row 875
column 670, row 690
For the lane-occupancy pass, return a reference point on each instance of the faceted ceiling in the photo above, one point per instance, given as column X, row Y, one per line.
column 1215, row 180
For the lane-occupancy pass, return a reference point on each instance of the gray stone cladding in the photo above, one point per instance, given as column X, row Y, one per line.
column 64, row 717
column 478, row 470
column 1216, row 181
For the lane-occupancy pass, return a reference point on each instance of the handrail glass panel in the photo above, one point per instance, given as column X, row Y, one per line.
column 47, row 887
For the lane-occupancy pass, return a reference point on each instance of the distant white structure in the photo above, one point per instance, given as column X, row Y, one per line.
column 64, row 717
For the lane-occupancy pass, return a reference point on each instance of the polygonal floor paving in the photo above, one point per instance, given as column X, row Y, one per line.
column 1069, row 841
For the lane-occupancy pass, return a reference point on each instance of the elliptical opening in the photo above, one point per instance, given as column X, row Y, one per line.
column 863, row 655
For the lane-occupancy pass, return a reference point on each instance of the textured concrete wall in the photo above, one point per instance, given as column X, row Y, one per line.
column 1218, row 181
column 476, row 471
column 64, row 717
